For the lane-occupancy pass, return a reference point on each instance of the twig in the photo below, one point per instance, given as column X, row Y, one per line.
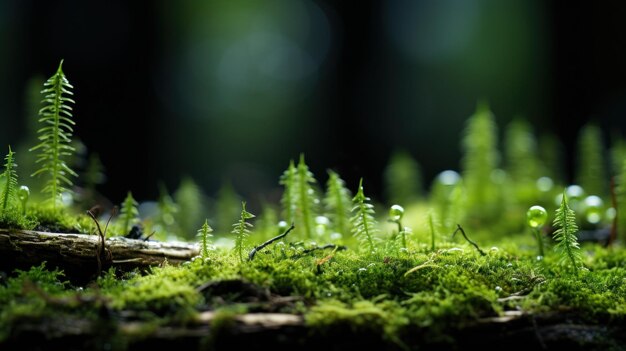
column 101, row 249
column 151, row 234
column 458, row 228
column 327, row 246
column 269, row 242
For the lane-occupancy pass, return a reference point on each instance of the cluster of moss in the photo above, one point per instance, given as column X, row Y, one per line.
column 425, row 292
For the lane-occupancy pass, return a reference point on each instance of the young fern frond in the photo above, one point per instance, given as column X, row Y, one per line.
column 56, row 136
column 129, row 214
column 403, row 179
column 8, row 194
column 167, row 211
column 242, row 231
column 591, row 173
column 521, row 152
column 189, row 199
column 479, row 162
column 290, row 198
column 307, row 200
column 226, row 207
column 205, row 234
column 567, row 244
column 364, row 226
column 338, row 203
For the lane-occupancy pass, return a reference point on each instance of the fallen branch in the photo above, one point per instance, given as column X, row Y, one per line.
column 78, row 254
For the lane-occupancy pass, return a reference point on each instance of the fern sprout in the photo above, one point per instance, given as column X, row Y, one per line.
column 289, row 199
column 521, row 149
column 403, row 180
column 479, row 162
column 8, row 194
column 242, row 231
column 567, row 244
column 299, row 200
column 618, row 155
column 591, row 173
column 226, row 206
column 550, row 155
column 307, row 200
column 167, row 210
column 364, row 226
column 189, row 200
column 129, row 213
column 446, row 195
column 338, row 203
column 56, row 136
column 205, row 234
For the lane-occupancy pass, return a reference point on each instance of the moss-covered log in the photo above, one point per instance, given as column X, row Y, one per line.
column 77, row 254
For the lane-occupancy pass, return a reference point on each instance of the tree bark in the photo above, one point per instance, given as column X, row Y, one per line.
column 77, row 254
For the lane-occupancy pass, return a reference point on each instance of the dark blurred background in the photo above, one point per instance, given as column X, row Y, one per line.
column 232, row 90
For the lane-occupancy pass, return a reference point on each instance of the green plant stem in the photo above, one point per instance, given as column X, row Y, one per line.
column 432, row 232
column 537, row 232
column 401, row 231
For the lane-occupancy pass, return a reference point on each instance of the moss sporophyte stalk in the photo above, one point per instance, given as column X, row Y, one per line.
column 446, row 268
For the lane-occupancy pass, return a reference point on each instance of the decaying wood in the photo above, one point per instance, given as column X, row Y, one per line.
column 279, row 331
column 77, row 254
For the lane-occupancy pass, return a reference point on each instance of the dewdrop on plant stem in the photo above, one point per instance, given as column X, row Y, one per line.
column 536, row 216
column 396, row 212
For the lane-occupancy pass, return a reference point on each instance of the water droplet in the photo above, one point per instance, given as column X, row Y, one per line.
column 322, row 220
column 448, row 177
column 396, row 212
column 23, row 193
column 575, row 192
column 66, row 199
column 282, row 226
column 610, row 213
column 545, row 184
column 593, row 206
column 536, row 216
